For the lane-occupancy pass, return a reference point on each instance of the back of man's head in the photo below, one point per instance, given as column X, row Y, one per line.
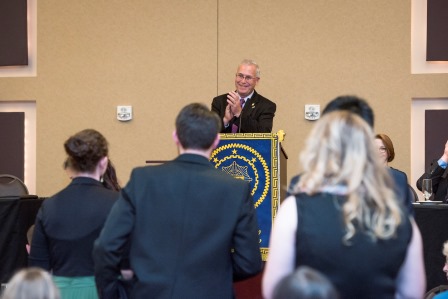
column 354, row 104
column 197, row 127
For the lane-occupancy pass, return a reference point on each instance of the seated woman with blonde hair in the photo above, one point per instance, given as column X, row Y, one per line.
column 344, row 219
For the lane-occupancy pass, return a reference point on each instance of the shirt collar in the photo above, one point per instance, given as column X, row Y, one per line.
column 249, row 96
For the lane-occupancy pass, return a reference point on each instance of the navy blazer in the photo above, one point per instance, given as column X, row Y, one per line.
column 193, row 230
column 257, row 115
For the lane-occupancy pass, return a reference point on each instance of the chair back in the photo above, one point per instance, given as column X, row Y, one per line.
column 414, row 194
column 9, row 213
column 12, row 186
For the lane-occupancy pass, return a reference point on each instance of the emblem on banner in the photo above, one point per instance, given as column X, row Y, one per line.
column 245, row 163
column 237, row 171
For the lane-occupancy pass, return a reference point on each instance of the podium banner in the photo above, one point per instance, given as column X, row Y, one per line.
column 253, row 158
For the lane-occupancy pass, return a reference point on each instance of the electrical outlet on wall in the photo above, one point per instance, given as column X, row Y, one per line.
column 124, row 113
column 312, row 112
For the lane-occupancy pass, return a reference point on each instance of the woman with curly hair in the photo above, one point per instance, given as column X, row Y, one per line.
column 68, row 223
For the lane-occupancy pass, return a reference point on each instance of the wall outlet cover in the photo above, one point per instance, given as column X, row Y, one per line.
column 312, row 112
column 124, row 113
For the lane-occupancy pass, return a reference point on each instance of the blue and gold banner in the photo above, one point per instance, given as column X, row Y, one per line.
column 253, row 157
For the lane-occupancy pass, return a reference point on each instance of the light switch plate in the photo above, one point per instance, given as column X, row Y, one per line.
column 312, row 112
column 124, row 113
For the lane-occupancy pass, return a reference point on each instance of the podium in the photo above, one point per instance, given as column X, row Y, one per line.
column 259, row 159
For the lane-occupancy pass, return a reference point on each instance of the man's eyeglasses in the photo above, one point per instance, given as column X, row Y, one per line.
column 241, row 77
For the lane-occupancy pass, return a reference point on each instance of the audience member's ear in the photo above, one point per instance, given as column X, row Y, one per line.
column 175, row 138
column 29, row 237
column 216, row 141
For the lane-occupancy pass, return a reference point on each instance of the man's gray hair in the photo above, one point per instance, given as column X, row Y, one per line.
column 252, row 62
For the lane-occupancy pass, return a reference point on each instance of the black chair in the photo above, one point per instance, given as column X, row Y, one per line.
column 17, row 214
column 9, row 213
column 12, row 186
column 413, row 193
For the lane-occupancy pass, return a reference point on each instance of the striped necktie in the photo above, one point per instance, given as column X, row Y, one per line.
column 234, row 126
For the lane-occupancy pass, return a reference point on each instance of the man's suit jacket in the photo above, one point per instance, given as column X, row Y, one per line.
column 257, row 115
column 439, row 177
column 193, row 230
column 401, row 189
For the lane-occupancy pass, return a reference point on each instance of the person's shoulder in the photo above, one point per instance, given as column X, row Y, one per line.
column 295, row 179
column 152, row 171
column 49, row 201
column 398, row 173
column 292, row 183
column 220, row 97
column 263, row 99
column 105, row 198
column 54, row 198
column 142, row 170
column 109, row 193
column 226, row 179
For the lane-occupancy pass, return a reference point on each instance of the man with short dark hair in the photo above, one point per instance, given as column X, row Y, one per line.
column 192, row 228
column 353, row 104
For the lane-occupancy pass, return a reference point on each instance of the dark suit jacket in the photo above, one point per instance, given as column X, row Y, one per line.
column 257, row 115
column 193, row 230
column 67, row 225
column 439, row 178
column 401, row 188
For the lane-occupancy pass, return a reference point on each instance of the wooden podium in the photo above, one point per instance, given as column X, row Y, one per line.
column 260, row 159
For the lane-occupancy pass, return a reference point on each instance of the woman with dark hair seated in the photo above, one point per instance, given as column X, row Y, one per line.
column 386, row 153
column 68, row 223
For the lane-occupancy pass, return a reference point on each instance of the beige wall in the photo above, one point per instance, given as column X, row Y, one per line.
column 160, row 55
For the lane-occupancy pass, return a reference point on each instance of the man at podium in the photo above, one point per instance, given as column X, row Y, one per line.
column 243, row 110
